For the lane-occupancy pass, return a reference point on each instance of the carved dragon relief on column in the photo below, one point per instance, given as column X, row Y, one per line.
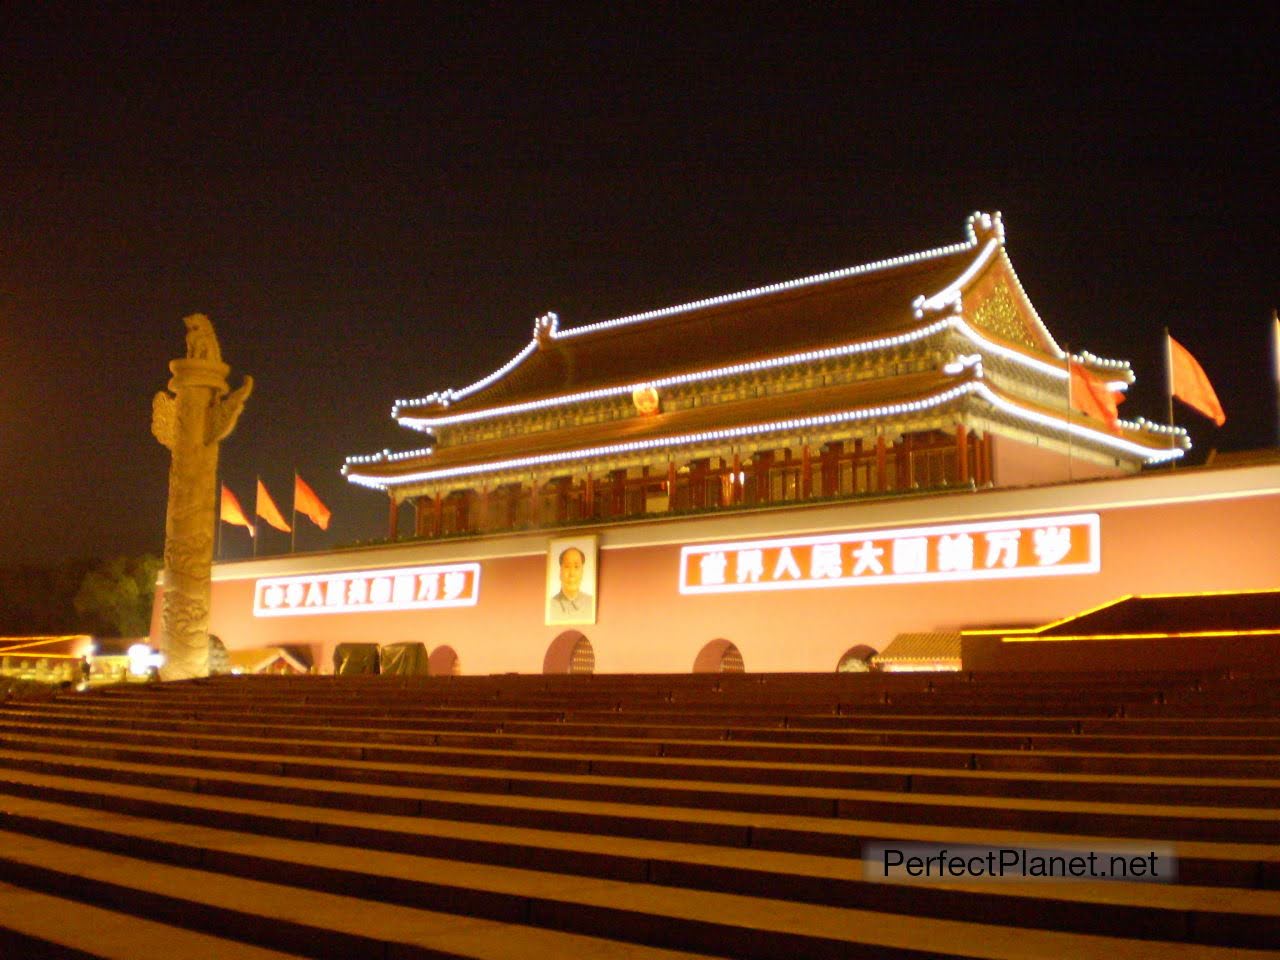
column 191, row 420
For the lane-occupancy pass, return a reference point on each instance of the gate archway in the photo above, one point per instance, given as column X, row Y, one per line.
column 719, row 656
column 444, row 662
column 570, row 652
column 856, row 659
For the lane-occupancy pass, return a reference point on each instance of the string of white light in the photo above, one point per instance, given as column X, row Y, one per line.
column 780, row 426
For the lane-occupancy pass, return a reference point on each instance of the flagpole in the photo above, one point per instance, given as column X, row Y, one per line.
column 1168, row 391
column 256, row 508
column 293, row 527
column 1066, row 349
column 1275, row 366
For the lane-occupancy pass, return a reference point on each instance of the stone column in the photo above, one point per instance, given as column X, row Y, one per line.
column 191, row 421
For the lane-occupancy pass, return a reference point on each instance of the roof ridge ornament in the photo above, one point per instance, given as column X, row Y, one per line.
column 985, row 226
column 545, row 328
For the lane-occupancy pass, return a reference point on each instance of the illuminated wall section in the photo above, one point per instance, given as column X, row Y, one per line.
column 791, row 589
column 365, row 591
column 1039, row 547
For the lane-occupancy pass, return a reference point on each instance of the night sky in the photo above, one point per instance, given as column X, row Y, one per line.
column 379, row 207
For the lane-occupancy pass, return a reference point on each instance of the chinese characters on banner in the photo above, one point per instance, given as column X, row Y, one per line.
column 1041, row 546
column 411, row 588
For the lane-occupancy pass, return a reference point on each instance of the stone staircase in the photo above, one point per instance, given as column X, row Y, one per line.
column 634, row 816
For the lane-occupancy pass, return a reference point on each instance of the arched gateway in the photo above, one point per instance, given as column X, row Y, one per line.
column 719, row 656
column 571, row 652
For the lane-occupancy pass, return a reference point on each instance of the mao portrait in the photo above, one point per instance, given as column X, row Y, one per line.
column 571, row 581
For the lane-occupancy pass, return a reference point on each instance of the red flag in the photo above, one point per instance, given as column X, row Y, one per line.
column 307, row 503
column 1188, row 383
column 268, row 511
column 232, row 512
column 1091, row 396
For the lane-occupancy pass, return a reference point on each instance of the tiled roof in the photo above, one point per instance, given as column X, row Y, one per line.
column 937, row 647
column 802, row 318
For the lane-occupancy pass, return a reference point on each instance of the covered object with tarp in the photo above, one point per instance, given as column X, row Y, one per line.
column 355, row 658
column 405, row 659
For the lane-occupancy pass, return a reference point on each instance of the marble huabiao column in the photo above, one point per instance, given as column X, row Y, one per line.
column 191, row 420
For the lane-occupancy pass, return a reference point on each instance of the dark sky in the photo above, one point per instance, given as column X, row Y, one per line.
column 378, row 207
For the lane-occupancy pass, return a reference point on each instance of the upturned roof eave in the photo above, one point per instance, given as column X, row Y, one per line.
column 934, row 389
column 547, row 332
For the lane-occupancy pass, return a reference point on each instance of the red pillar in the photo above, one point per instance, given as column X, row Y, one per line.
column 393, row 517
column 735, row 487
column 698, row 484
column 962, row 452
column 618, row 493
column 671, row 485
column 806, row 473
column 437, row 515
column 880, row 463
column 589, row 497
column 760, row 464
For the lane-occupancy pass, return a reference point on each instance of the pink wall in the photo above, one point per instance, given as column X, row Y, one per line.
column 1026, row 465
column 646, row 625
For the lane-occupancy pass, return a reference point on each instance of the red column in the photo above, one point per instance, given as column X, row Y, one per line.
column 437, row 515
column 482, row 521
column 562, row 501
column 806, row 473
column 962, row 452
column 735, row 486
column 393, row 526
column 761, row 462
column 589, row 496
column 618, row 494
column 698, row 484
column 671, row 485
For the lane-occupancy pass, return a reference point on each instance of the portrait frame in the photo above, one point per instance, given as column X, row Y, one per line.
column 558, row 608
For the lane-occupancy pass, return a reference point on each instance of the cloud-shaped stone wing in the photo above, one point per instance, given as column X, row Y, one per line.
column 164, row 418
column 223, row 417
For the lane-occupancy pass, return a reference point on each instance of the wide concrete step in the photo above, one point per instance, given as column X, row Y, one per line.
column 978, row 705
column 1048, row 774
column 1161, row 911
column 540, row 801
column 225, row 874
column 1050, row 718
column 417, row 731
column 566, row 752
column 309, row 923
column 1015, row 700
column 716, row 815
column 39, row 926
